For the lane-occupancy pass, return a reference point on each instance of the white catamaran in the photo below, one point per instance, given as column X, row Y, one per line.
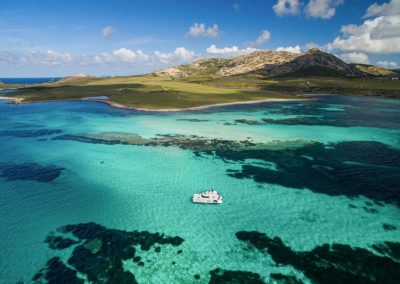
column 207, row 197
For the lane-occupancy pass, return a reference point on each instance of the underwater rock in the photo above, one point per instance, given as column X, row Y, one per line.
column 102, row 252
column 57, row 242
column 85, row 139
column 192, row 119
column 93, row 245
column 377, row 181
column 351, row 168
column 30, row 171
column 28, row 133
column 219, row 276
column 303, row 121
column 389, row 227
column 336, row 263
column 284, row 279
column 391, row 249
column 247, row 121
column 196, row 276
column 57, row 272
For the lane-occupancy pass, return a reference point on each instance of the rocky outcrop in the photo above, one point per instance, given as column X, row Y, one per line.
column 265, row 62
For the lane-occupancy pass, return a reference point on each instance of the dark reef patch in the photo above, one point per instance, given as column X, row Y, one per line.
column 192, row 142
column 374, row 172
column 336, row 263
column 351, row 168
column 341, row 111
column 302, row 121
column 28, row 133
column 192, row 119
column 391, row 249
column 219, row 276
column 284, row 279
column 370, row 210
column 57, row 242
column 85, row 139
column 30, row 171
column 57, row 272
column 101, row 252
column 389, row 227
column 247, row 121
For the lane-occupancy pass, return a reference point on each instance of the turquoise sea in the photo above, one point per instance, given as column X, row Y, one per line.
column 317, row 191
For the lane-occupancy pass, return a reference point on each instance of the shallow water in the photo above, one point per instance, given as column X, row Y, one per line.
column 46, row 183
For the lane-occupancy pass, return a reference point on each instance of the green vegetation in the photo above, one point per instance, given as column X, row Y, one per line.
column 145, row 92
column 199, row 90
column 375, row 70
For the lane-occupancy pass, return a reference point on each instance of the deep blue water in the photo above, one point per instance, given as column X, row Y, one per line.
column 29, row 80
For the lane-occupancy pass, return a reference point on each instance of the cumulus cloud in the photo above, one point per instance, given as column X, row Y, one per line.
column 355, row 57
column 292, row 49
column 386, row 9
column 378, row 34
column 108, row 31
column 179, row 55
column 388, row 64
column 324, row 9
column 35, row 58
column 229, row 51
column 287, row 7
column 261, row 39
column 201, row 30
column 126, row 55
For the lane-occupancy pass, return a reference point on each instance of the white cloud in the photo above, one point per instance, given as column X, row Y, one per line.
column 292, row 49
column 388, row 64
column 386, row 9
column 108, row 31
column 180, row 55
column 324, row 9
column 51, row 58
column 36, row 58
column 229, row 51
column 236, row 7
column 200, row 30
column 125, row 55
column 286, row 7
column 355, row 57
column 261, row 39
column 379, row 35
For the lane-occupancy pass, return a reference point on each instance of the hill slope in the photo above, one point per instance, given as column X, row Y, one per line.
column 275, row 63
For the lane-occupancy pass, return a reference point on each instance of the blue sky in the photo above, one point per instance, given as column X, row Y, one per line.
column 60, row 38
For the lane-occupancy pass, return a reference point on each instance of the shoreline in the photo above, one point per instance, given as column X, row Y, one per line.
column 117, row 105
column 18, row 101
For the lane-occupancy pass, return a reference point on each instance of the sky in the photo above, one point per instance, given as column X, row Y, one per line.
column 120, row 37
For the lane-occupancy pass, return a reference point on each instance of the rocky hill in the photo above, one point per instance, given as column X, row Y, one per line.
column 268, row 62
column 375, row 70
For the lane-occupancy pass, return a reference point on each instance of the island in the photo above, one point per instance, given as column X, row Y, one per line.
column 260, row 76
